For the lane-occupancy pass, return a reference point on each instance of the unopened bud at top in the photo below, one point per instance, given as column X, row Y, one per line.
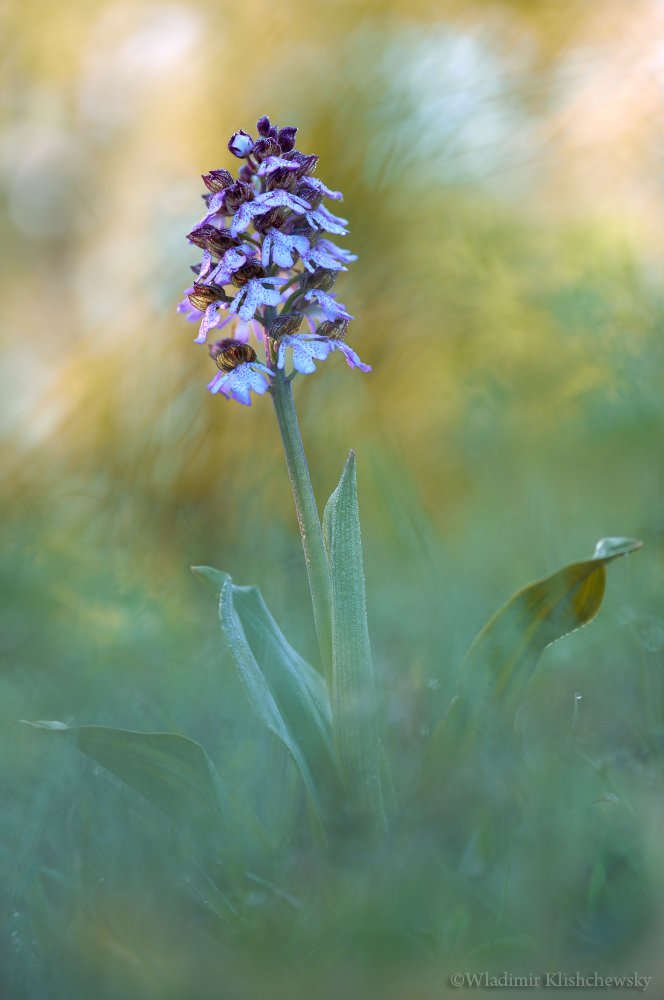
column 285, row 325
column 217, row 180
column 286, row 138
column 229, row 354
column 263, row 126
column 241, row 144
column 322, row 278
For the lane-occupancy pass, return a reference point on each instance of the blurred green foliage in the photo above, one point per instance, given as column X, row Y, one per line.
column 500, row 167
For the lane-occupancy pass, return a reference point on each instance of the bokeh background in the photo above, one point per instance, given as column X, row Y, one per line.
column 503, row 171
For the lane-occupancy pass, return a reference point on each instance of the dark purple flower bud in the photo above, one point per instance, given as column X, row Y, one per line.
column 333, row 331
column 204, row 295
column 273, row 133
column 247, row 272
column 275, row 218
column 246, row 172
column 263, row 126
column 285, row 325
column 217, row 180
column 286, row 138
column 307, row 164
column 266, row 147
column 229, row 354
column 308, row 194
column 217, row 241
column 322, row 278
column 285, row 179
column 240, row 144
column 237, row 194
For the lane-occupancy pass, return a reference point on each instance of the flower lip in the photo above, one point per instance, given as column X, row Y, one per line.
column 240, row 144
column 227, row 354
column 217, row 180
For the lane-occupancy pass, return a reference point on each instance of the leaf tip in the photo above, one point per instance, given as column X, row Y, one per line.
column 43, row 724
column 611, row 548
column 212, row 579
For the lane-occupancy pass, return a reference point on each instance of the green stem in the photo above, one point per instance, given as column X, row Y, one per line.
column 308, row 519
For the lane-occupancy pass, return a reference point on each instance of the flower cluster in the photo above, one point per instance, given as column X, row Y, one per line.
column 267, row 266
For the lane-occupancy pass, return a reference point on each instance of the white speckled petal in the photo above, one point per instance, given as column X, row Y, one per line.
column 317, row 185
column 350, row 355
column 320, row 221
column 273, row 163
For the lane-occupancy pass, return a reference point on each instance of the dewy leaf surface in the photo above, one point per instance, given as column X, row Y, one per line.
column 285, row 692
column 353, row 708
column 501, row 661
column 172, row 772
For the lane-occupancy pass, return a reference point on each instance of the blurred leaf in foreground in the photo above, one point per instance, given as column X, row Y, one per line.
column 501, row 661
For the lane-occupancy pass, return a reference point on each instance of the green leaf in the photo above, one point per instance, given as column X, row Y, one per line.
column 501, row 661
column 170, row 771
column 353, row 701
column 288, row 695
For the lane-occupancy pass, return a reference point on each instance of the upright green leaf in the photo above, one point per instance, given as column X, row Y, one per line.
column 501, row 661
column 170, row 771
column 353, row 701
column 284, row 691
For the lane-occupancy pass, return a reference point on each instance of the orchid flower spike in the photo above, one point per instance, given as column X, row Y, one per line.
column 267, row 265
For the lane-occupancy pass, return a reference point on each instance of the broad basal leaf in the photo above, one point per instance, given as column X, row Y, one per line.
column 284, row 691
column 172, row 772
column 353, row 703
column 500, row 662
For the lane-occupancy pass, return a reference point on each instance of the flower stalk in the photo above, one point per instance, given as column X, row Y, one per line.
column 307, row 516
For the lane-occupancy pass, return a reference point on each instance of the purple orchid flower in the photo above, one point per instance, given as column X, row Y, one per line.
column 262, row 203
column 317, row 185
column 209, row 317
column 333, row 310
column 308, row 347
column 237, row 384
column 259, row 286
column 272, row 163
column 337, row 252
column 241, row 144
column 254, row 294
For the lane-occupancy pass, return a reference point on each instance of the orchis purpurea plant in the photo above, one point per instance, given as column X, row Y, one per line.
column 267, row 272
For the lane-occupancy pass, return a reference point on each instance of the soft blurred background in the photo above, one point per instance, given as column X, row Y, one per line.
column 503, row 171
